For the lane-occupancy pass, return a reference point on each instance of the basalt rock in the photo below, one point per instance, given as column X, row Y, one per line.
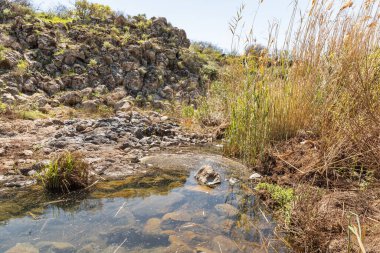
column 155, row 62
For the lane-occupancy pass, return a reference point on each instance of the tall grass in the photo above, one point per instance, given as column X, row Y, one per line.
column 328, row 83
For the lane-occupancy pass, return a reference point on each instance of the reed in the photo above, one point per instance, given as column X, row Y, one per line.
column 327, row 83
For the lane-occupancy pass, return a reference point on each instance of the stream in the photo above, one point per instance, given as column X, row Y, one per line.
column 162, row 210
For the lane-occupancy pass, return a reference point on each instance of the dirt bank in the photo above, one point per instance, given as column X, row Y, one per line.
column 328, row 201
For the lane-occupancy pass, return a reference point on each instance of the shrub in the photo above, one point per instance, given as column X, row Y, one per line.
column 65, row 173
column 86, row 10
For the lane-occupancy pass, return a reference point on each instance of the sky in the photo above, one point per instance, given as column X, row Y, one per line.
column 206, row 20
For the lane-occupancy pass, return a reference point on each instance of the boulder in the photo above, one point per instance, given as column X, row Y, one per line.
column 71, row 98
column 133, row 81
column 10, row 59
column 90, row 105
column 7, row 98
column 208, row 176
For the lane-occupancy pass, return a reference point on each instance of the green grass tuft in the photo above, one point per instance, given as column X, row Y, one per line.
column 66, row 173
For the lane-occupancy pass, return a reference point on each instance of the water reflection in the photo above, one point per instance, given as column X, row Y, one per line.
column 164, row 211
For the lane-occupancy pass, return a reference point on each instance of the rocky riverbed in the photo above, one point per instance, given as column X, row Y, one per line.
column 112, row 146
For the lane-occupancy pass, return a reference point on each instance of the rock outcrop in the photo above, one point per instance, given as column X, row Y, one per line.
column 148, row 58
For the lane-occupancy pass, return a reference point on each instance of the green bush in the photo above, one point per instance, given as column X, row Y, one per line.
column 86, row 10
column 66, row 173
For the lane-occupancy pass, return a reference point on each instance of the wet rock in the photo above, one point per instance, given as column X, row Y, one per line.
column 162, row 205
column 113, row 249
column 177, row 245
column 177, row 216
column 224, row 244
column 208, row 176
column 56, row 247
column 23, row 248
column 226, row 210
column 152, row 226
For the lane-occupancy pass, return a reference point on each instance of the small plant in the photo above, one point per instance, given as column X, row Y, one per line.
column 93, row 63
column 188, row 111
column 31, row 115
column 3, row 107
column 66, row 173
column 284, row 197
column 107, row 45
column 22, row 67
column 143, row 25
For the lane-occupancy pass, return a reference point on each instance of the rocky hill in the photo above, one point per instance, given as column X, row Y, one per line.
column 46, row 61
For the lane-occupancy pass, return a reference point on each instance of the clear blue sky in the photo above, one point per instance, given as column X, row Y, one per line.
column 204, row 20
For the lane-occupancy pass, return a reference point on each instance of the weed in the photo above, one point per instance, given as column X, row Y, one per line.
column 107, row 45
column 22, row 67
column 65, row 173
column 93, row 63
column 284, row 197
column 188, row 111
column 3, row 107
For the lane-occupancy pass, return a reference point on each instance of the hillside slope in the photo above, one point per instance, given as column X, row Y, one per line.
column 50, row 60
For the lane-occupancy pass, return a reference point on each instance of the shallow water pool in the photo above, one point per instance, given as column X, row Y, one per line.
column 161, row 211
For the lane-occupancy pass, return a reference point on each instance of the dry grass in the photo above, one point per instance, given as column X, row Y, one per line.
column 328, row 84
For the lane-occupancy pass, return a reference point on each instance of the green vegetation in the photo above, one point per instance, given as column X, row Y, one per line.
column 332, row 90
column 31, row 114
column 53, row 18
column 66, row 173
column 86, row 10
column 283, row 197
column 3, row 107
column 107, row 45
column 59, row 52
column 22, row 67
column 93, row 63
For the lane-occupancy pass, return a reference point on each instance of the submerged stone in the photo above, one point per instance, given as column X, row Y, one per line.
column 226, row 210
column 56, row 247
column 177, row 216
column 24, row 248
column 208, row 176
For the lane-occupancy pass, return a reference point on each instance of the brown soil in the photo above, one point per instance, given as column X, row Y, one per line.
column 328, row 200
